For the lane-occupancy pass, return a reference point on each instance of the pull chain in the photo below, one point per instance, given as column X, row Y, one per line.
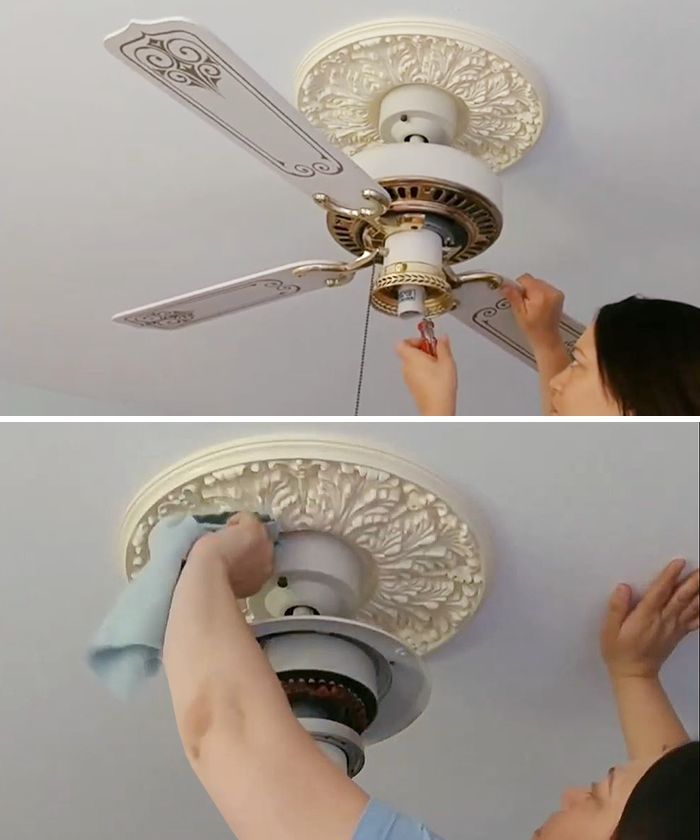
column 364, row 342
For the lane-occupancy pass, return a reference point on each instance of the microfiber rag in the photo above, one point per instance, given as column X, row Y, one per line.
column 128, row 647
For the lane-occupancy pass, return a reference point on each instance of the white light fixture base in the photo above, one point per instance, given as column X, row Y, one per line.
column 351, row 87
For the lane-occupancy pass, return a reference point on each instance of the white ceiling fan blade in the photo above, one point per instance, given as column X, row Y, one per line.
column 231, row 296
column 486, row 310
column 193, row 65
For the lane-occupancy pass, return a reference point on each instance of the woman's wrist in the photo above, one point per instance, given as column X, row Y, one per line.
column 206, row 553
column 439, row 409
column 546, row 343
column 623, row 675
column 204, row 550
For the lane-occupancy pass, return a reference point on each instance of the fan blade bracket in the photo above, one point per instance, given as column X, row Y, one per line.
column 341, row 275
column 492, row 280
column 345, row 272
column 381, row 203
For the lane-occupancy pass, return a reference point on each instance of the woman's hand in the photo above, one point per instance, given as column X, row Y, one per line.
column 538, row 309
column 636, row 640
column 431, row 381
column 246, row 551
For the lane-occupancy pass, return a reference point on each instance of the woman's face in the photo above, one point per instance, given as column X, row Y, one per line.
column 578, row 390
column 593, row 813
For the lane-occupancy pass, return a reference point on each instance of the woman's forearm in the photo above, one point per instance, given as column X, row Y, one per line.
column 552, row 358
column 649, row 721
column 212, row 661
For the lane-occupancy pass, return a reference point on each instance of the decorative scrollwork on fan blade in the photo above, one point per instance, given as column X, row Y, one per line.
column 191, row 68
column 166, row 319
column 181, row 61
column 486, row 318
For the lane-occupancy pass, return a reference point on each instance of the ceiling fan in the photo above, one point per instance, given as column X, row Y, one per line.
column 427, row 114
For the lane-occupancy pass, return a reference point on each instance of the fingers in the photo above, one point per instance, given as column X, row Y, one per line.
column 243, row 517
column 515, row 298
column 408, row 349
column 412, row 349
column 686, row 595
column 531, row 285
column 527, row 282
column 444, row 349
column 618, row 609
column 689, row 601
column 659, row 593
column 690, row 614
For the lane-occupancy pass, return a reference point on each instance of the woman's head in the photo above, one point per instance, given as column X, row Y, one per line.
column 647, row 799
column 640, row 357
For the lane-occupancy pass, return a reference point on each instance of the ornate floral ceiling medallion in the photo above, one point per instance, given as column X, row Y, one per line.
column 429, row 562
column 501, row 99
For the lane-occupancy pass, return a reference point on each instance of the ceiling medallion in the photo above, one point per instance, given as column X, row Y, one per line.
column 420, row 561
column 501, row 100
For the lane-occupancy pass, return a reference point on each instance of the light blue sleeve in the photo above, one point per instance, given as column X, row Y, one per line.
column 381, row 822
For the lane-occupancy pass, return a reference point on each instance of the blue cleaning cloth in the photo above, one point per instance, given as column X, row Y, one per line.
column 382, row 822
column 128, row 647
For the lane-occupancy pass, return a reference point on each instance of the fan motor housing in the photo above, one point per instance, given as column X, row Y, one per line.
column 458, row 195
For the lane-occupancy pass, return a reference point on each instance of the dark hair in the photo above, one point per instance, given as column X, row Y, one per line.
column 664, row 804
column 649, row 356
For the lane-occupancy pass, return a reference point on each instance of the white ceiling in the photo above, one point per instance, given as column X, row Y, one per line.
column 112, row 196
column 520, row 706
